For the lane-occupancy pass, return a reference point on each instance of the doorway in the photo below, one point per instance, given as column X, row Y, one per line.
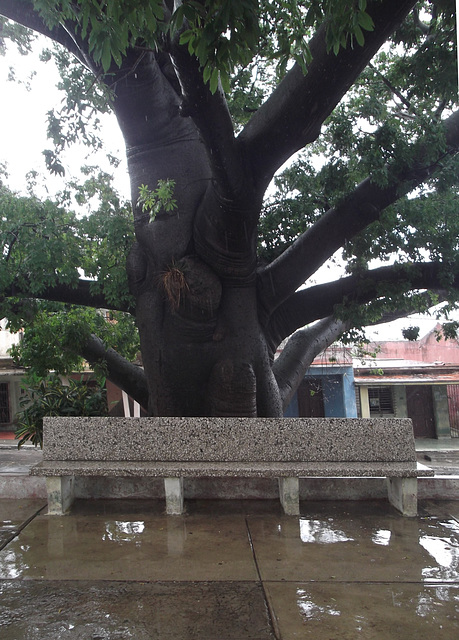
column 311, row 399
column 419, row 404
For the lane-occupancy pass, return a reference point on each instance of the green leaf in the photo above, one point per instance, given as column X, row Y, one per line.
column 207, row 71
column 214, row 81
column 106, row 56
column 359, row 36
column 366, row 21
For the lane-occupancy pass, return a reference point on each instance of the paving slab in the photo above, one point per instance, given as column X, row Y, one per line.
column 347, row 611
column 15, row 514
column 231, row 570
column 343, row 541
column 138, row 544
column 440, row 508
column 48, row 610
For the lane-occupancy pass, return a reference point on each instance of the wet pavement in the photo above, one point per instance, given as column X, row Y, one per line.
column 228, row 570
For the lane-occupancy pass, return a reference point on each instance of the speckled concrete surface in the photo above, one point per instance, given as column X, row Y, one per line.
column 224, row 469
column 232, row 570
column 229, row 439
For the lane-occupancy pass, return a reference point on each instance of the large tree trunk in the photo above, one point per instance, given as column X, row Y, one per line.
column 192, row 270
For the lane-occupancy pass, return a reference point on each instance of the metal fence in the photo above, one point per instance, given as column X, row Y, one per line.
column 453, row 405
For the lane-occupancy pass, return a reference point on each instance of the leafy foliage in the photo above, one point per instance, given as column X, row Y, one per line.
column 154, row 201
column 45, row 245
column 55, row 336
column 110, row 27
column 84, row 100
column 371, row 133
column 49, row 397
column 38, row 243
column 221, row 34
column 17, row 34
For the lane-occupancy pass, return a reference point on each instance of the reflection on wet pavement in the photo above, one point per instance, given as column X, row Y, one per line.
column 340, row 570
column 369, row 611
column 320, row 532
column 444, row 551
column 151, row 548
column 14, row 515
column 347, row 547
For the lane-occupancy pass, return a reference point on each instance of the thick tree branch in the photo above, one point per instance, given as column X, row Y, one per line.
column 211, row 116
column 22, row 12
column 283, row 276
column 79, row 295
column 305, row 344
column 309, row 305
column 299, row 352
column 293, row 115
column 126, row 375
column 423, row 301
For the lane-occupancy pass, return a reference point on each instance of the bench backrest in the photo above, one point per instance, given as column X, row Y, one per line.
column 230, row 439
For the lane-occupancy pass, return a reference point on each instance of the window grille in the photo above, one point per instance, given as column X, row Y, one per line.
column 381, row 401
column 357, row 401
column 453, row 406
column 4, row 404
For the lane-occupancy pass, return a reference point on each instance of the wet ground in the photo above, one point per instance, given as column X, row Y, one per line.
column 228, row 570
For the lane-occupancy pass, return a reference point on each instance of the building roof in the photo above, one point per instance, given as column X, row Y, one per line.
column 384, row 372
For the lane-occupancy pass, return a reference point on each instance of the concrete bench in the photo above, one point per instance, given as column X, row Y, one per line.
column 175, row 448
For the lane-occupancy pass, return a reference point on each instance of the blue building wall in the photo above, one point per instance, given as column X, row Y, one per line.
column 338, row 391
column 292, row 409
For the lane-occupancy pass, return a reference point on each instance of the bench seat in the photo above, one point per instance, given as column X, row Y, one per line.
column 284, row 448
column 230, row 469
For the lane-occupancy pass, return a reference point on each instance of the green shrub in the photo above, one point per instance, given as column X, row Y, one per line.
column 49, row 397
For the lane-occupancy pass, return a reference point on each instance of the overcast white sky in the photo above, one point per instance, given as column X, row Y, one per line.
column 23, row 107
column 23, row 138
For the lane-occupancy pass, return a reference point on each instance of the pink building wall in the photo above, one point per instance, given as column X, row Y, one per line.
column 426, row 349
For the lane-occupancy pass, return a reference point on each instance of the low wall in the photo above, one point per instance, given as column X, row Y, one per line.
column 23, row 486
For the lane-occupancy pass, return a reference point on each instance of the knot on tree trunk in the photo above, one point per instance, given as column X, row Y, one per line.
column 192, row 289
column 232, row 389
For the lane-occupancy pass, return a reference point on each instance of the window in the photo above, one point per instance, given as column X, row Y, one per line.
column 381, row 401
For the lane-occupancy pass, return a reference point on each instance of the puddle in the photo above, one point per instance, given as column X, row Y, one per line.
column 321, row 532
column 382, row 537
column 367, row 611
column 311, row 609
column 443, row 549
column 123, row 531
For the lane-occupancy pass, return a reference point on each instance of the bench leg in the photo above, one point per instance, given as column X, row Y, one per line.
column 403, row 495
column 60, row 494
column 173, row 488
column 289, row 493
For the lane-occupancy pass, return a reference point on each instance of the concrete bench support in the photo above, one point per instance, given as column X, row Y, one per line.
column 60, row 494
column 173, row 489
column 403, row 495
column 285, row 449
column 289, row 494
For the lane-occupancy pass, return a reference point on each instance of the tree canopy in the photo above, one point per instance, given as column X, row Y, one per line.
column 222, row 243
